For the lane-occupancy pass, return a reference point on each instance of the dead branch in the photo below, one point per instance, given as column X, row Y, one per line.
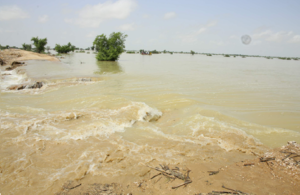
column 265, row 159
column 185, row 183
column 249, row 164
column 238, row 191
column 75, row 186
column 155, row 175
column 172, row 174
column 223, row 192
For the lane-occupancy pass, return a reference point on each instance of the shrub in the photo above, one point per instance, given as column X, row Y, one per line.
column 26, row 47
column 39, row 44
column 64, row 48
column 109, row 49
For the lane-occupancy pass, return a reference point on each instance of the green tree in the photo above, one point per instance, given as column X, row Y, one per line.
column 64, row 48
column 39, row 44
column 93, row 47
column 192, row 52
column 109, row 49
column 26, row 47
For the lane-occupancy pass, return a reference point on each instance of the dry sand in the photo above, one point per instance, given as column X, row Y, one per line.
column 11, row 55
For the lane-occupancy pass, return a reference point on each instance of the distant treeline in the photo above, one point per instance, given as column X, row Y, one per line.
column 69, row 47
column 211, row 54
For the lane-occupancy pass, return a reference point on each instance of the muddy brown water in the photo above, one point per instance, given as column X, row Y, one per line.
column 112, row 118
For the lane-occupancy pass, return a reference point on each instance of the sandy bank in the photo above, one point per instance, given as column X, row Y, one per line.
column 10, row 55
column 274, row 172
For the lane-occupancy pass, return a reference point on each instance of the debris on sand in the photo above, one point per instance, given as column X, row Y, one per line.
column 75, row 187
column 173, row 174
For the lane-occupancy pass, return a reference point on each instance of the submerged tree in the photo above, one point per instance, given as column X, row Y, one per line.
column 109, row 49
column 64, row 48
column 39, row 44
column 26, row 47
column 192, row 52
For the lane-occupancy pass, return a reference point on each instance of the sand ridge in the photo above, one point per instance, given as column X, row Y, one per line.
column 11, row 55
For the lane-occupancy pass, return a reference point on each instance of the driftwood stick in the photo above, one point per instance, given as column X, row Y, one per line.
column 237, row 191
column 249, row 164
column 224, row 192
column 265, row 159
column 288, row 156
column 75, row 186
column 155, row 175
column 158, row 179
column 185, row 183
column 229, row 188
column 157, row 169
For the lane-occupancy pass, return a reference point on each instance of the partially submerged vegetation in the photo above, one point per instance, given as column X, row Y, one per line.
column 109, row 49
column 213, row 54
column 64, row 48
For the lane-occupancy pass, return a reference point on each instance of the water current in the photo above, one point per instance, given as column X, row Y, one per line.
column 111, row 118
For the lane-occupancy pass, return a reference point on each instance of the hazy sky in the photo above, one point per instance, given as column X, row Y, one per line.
column 203, row 26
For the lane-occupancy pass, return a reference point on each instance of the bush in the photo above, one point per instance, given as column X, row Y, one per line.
column 64, row 48
column 192, row 52
column 39, row 44
column 4, row 47
column 155, row 52
column 26, row 47
column 109, row 49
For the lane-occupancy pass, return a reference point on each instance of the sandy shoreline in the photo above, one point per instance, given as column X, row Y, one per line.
column 11, row 55
column 16, row 77
column 275, row 172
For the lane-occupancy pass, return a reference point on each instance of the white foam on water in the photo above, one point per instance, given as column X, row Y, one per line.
column 80, row 124
column 10, row 78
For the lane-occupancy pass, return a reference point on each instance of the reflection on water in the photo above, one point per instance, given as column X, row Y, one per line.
column 108, row 67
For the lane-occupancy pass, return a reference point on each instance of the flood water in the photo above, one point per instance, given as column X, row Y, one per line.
column 110, row 118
